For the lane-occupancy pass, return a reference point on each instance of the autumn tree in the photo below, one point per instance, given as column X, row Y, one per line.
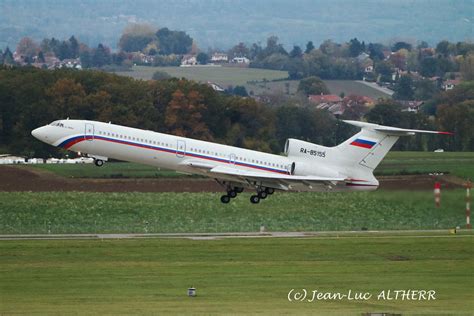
column 27, row 47
column 184, row 115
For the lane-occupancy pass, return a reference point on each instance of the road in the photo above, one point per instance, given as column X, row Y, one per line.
column 212, row 236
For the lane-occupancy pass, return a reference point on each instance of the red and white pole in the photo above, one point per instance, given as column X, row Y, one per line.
column 468, row 204
column 437, row 194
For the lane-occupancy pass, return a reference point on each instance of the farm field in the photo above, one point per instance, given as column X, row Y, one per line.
column 460, row 164
column 252, row 79
column 235, row 276
column 86, row 212
column 224, row 76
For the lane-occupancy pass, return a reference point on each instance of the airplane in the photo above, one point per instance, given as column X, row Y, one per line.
column 305, row 166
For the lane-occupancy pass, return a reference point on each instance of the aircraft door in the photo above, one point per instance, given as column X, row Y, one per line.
column 232, row 158
column 180, row 148
column 89, row 132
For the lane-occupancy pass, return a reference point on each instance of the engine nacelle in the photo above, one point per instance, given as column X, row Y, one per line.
column 299, row 148
column 309, row 158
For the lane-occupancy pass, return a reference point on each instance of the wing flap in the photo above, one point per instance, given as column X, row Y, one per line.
column 269, row 176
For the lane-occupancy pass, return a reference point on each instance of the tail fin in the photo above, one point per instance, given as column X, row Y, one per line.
column 368, row 147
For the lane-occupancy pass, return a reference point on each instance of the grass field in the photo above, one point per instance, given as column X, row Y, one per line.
column 248, row 77
column 224, row 76
column 80, row 212
column 353, row 87
column 460, row 164
column 234, row 276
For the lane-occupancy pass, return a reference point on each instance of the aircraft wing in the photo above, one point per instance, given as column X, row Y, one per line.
column 277, row 181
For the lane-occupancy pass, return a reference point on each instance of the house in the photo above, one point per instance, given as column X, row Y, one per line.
column 450, row 84
column 411, row 106
column 323, row 98
column 189, row 60
column 219, row 58
column 241, row 60
column 7, row 159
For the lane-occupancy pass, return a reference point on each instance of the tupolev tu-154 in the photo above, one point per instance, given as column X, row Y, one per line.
column 303, row 167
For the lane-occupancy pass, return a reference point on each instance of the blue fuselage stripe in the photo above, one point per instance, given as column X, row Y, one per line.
column 172, row 151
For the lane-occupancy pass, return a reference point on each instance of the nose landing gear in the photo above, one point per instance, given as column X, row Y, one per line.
column 98, row 162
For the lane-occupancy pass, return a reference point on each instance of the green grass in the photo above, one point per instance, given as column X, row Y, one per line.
column 234, row 276
column 81, row 212
column 460, row 164
column 107, row 171
column 224, row 76
column 353, row 87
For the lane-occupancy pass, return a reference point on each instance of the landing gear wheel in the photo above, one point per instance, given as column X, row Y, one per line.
column 254, row 199
column 232, row 193
column 98, row 162
column 225, row 199
column 238, row 190
column 270, row 191
column 262, row 195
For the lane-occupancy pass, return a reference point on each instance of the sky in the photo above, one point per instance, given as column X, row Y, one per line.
column 223, row 23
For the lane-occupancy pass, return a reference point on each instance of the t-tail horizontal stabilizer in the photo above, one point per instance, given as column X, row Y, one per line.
column 368, row 147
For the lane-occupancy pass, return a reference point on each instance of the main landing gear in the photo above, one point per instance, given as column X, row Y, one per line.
column 231, row 193
column 262, row 193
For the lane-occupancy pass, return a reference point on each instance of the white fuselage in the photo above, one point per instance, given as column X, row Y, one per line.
column 104, row 140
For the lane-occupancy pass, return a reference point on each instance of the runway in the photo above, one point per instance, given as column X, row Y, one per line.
column 442, row 233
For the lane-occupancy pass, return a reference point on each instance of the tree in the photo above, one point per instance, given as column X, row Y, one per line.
column 443, row 48
column 401, row 45
column 8, row 57
column 135, row 37
column 309, row 47
column 239, row 50
column 173, row 42
column 312, row 85
column 467, row 67
column 355, row 47
column 161, row 75
column 240, row 91
column 184, row 115
column 425, row 89
column 27, row 47
column 404, row 88
column 428, row 67
column 202, row 58
column 296, row 52
column 135, row 42
column 73, row 47
column 385, row 70
column 101, row 56
column 386, row 112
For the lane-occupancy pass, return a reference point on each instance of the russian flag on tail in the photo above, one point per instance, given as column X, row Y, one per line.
column 364, row 143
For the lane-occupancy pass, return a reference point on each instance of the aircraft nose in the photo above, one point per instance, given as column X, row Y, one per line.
column 40, row 134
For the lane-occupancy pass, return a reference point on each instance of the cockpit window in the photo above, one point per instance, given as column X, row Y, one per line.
column 57, row 123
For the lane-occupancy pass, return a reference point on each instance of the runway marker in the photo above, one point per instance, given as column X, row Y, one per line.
column 437, row 194
column 468, row 204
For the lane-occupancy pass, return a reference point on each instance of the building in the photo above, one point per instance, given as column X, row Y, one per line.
column 241, row 60
column 324, row 98
column 189, row 60
column 411, row 106
column 450, row 84
column 219, row 58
